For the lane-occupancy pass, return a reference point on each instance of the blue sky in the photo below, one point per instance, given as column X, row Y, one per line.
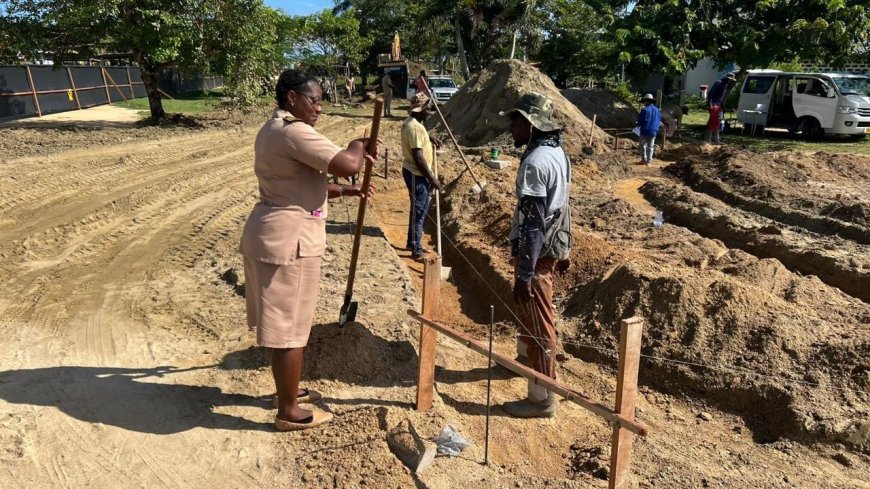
column 300, row 7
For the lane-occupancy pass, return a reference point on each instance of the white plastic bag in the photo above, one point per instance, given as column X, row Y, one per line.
column 450, row 442
column 636, row 131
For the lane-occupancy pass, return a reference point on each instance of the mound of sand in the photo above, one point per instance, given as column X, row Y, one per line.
column 611, row 109
column 472, row 113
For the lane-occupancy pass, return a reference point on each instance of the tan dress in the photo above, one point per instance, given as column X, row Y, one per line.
column 285, row 235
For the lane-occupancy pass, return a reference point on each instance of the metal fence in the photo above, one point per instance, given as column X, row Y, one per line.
column 27, row 90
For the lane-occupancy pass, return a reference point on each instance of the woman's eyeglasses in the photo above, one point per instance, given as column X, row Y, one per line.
column 314, row 101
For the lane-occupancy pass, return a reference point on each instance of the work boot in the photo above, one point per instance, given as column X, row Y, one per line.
column 527, row 408
column 716, row 140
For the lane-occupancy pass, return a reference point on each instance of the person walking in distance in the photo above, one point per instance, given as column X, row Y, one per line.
column 648, row 121
column 285, row 235
column 418, row 153
column 387, row 85
column 540, row 240
column 716, row 105
column 349, row 86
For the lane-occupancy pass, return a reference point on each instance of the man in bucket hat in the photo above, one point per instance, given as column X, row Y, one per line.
column 648, row 121
column 417, row 156
column 540, row 241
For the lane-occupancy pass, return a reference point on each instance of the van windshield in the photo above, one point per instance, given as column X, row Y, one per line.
column 853, row 85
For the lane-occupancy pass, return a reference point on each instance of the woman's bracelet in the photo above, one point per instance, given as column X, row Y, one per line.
column 341, row 190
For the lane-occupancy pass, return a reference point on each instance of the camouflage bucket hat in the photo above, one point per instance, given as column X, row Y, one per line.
column 537, row 109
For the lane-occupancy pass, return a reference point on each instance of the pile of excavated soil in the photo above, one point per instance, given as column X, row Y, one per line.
column 611, row 110
column 473, row 112
column 738, row 313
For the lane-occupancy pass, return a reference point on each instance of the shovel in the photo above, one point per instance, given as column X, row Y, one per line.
column 348, row 309
column 445, row 271
column 478, row 184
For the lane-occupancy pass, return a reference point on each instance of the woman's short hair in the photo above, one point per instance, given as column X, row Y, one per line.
column 291, row 80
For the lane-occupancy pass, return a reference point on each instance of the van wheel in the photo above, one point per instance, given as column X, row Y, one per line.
column 812, row 129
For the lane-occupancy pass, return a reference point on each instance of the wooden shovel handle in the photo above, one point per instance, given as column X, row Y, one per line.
column 361, row 214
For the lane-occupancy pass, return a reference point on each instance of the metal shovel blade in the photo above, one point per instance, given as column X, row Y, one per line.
column 348, row 311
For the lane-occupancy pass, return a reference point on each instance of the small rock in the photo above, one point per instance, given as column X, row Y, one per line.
column 705, row 416
column 407, row 445
column 498, row 164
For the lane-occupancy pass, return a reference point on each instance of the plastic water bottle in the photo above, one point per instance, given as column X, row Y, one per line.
column 659, row 219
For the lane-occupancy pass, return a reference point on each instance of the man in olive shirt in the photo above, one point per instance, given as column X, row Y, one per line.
column 387, row 85
column 418, row 153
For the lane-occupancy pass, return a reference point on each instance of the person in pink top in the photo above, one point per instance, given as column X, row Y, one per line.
column 421, row 82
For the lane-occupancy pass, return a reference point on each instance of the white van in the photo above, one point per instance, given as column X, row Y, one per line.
column 813, row 104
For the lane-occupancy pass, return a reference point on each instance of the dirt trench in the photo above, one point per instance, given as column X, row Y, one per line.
column 836, row 261
column 705, row 302
column 835, row 207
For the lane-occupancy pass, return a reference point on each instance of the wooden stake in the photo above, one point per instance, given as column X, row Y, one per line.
column 117, row 88
column 130, row 83
column 106, row 86
column 630, row 334
column 386, row 161
column 680, row 119
column 569, row 394
column 33, row 91
column 428, row 335
column 72, row 83
column 165, row 94
column 592, row 129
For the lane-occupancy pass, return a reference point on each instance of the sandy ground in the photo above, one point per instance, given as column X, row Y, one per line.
column 101, row 114
column 125, row 360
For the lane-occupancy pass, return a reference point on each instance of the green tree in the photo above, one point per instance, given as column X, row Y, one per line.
column 246, row 44
column 380, row 19
column 670, row 36
column 324, row 41
column 155, row 34
column 578, row 44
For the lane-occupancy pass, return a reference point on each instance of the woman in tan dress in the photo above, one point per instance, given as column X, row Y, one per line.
column 285, row 235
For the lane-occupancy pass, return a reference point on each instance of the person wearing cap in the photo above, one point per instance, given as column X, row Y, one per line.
column 648, row 121
column 418, row 153
column 715, row 104
column 542, row 184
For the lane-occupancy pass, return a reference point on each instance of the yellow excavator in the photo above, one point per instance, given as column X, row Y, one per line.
column 396, row 66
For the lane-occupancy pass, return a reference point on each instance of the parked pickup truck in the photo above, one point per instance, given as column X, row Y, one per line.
column 442, row 86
